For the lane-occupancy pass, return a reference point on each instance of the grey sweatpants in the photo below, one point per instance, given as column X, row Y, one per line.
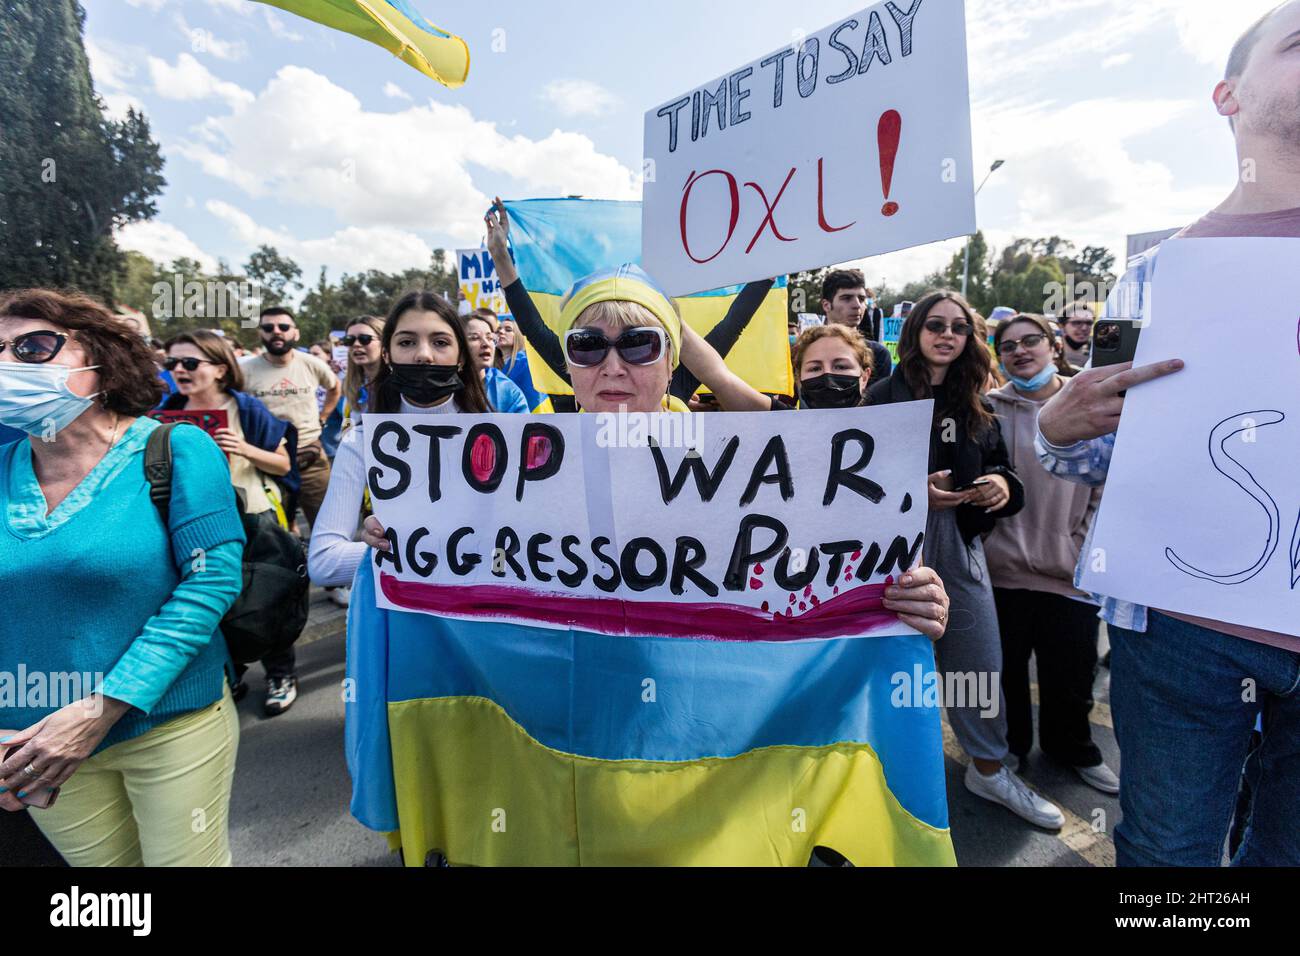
column 969, row 655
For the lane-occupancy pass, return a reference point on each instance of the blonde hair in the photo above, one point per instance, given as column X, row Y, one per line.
column 851, row 337
column 354, row 380
column 621, row 314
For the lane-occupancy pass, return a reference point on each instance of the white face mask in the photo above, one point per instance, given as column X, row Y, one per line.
column 36, row 398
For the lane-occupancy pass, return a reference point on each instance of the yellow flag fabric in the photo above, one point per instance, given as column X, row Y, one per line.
column 556, row 242
column 394, row 25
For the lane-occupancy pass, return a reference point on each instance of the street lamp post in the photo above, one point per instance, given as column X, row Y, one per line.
column 965, row 272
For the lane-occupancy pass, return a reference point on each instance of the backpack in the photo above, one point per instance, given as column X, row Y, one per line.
column 271, row 610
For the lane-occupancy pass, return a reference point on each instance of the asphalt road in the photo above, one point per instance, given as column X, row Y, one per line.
column 291, row 792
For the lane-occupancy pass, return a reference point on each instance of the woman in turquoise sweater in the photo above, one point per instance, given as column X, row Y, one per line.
column 121, row 711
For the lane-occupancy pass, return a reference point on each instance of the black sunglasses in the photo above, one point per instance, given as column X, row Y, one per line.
column 1030, row 341
column 35, row 347
column 270, row 327
column 364, row 338
column 586, row 348
column 937, row 327
column 189, row 363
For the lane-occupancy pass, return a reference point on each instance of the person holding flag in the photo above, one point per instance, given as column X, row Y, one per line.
column 623, row 339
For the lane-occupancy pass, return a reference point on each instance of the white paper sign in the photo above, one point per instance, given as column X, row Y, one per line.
column 479, row 283
column 853, row 142
column 1200, row 510
column 744, row 526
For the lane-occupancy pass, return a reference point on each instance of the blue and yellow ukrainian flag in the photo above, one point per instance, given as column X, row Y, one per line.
column 500, row 744
column 558, row 241
column 394, row 25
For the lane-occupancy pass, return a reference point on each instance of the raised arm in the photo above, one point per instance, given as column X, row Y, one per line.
column 723, row 336
column 734, row 394
column 539, row 335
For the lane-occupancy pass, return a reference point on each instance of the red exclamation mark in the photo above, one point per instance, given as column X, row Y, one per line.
column 888, row 132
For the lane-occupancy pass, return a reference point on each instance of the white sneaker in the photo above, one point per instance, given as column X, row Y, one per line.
column 1099, row 777
column 340, row 596
column 1006, row 788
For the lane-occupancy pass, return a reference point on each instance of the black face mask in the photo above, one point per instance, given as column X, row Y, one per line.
column 831, row 391
column 425, row 384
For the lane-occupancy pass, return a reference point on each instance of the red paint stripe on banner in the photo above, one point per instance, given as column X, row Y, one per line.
column 852, row 614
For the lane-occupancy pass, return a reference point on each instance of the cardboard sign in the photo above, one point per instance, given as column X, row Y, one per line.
column 479, row 282
column 1201, row 503
column 734, row 527
column 853, row 142
column 208, row 419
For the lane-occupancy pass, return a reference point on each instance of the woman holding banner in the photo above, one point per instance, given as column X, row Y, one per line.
column 972, row 485
column 622, row 338
column 425, row 368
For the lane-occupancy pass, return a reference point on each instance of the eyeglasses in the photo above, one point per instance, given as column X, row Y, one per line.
column 35, row 347
column 189, row 363
column 364, row 338
column 270, row 327
column 938, row 327
column 480, row 337
column 587, row 348
column 1031, row 341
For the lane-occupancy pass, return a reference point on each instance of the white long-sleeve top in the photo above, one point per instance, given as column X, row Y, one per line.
column 334, row 556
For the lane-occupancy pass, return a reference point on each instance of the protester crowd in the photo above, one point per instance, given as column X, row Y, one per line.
column 1022, row 433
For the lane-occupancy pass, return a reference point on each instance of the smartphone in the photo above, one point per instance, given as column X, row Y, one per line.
column 1114, row 341
column 974, row 484
column 37, row 801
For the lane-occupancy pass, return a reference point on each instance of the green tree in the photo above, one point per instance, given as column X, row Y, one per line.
column 977, row 288
column 69, row 176
column 276, row 274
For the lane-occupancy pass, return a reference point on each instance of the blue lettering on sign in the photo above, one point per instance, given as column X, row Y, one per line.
column 892, row 330
column 477, row 266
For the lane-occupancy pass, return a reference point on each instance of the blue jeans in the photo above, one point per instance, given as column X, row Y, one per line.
column 1184, row 732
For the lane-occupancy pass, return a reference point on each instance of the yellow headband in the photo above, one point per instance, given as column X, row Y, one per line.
column 626, row 283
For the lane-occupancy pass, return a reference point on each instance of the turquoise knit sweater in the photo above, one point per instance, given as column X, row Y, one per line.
column 99, row 587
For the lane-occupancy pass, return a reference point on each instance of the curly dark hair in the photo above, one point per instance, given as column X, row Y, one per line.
column 966, row 375
column 128, row 376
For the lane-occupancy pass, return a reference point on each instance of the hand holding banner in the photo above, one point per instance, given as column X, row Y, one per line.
column 643, row 524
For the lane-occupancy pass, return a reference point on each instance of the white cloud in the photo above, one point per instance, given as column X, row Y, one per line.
column 279, row 29
column 393, row 91
column 116, row 104
column 191, row 80
column 1072, row 172
column 579, row 98
column 147, row 4
column 204, row 41
column 1117, row 59
column 109, row 70
column 1208, row 28
column 163, row 243
column 306, row 141
column 351, row 249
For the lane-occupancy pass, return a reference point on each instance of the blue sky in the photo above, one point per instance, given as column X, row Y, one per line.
column 277, row 130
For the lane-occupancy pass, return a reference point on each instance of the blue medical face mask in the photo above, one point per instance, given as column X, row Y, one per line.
column 36, row 398
column 1030, row 384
